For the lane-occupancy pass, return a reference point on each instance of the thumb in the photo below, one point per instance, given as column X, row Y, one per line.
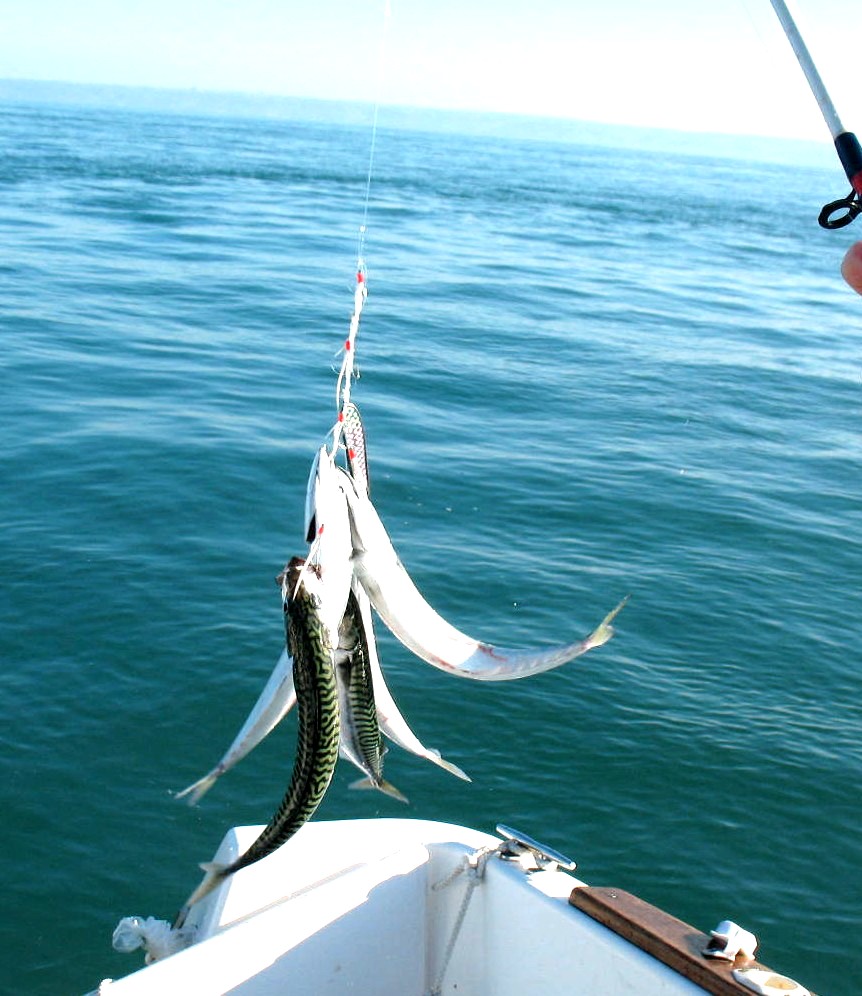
column 851, row 268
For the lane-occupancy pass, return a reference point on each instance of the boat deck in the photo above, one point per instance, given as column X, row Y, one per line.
column 373, row 907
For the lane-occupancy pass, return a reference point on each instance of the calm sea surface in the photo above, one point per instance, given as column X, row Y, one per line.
column 585, row 373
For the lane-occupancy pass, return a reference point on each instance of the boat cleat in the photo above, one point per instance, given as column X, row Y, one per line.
column 730, row 941
column 516, row 844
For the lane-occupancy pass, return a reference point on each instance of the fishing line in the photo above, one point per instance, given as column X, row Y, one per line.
column 846, row 144
column 360, row 294
column 381, row 63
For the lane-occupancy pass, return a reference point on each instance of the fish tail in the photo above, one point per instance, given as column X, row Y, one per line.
column 453, row 769
column 197, row 790
column 387, row 788
column 213, row 875
column 604, row 631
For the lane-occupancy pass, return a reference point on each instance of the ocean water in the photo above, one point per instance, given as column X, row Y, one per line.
column 586, row 373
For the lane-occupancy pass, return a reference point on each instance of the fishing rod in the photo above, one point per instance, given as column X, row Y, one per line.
column 846, row 144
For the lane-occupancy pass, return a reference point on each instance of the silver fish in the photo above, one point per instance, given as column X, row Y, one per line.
column 361, row 741
column 331, row 548
column 279, row 697
column 415, row 623
column 318, row 734
column 390, row 720
column 274, row 702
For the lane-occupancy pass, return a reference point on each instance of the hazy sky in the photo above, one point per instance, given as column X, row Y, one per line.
column 687, row 64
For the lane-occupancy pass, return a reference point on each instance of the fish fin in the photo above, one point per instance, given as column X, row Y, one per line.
column 604, row 631
column 387, row 788
column 453, row 769
column 213, row 867
column 198, row 789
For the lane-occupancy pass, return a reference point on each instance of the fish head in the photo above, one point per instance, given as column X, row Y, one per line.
column 296, row 573
column 332, row 547
column 310, row 494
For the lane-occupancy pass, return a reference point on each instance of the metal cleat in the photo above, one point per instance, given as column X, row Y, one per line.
column 516, row 843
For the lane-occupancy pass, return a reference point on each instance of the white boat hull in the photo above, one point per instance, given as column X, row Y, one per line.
column 372, row 906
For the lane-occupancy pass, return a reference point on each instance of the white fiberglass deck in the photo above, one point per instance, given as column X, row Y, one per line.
column 349, row 907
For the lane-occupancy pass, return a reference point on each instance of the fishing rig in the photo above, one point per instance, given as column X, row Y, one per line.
column 347, row 371
column 837, row 213
column 348, row 432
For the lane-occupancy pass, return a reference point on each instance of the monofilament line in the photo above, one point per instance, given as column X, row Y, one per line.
column 345, row 374
column 381, row 65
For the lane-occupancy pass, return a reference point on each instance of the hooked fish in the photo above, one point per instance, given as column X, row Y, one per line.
column 327, row 527
column 356, row 445
column 392, row 723
column 279, row 697
column 421, row 629
column 274, row 703
column 318, row 734
column 331, row 547
column 389, row 718
column 361, row 741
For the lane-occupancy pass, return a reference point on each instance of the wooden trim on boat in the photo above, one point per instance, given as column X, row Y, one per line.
column 674, row 942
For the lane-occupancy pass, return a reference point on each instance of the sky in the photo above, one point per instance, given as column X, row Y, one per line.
column 690, row 65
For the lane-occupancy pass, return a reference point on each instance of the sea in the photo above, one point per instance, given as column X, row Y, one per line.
column 587, row 372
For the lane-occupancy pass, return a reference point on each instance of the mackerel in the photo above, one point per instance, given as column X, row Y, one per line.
column 389, row 718
column 392, row 723
column 279, row 697
column 328, row 530
column 361, row 741
column 357, row 447
column 331, row 548
column 318, row 733
column 422, row 630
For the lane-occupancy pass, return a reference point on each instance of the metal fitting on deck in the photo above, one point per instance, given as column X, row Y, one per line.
column 730, row 941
